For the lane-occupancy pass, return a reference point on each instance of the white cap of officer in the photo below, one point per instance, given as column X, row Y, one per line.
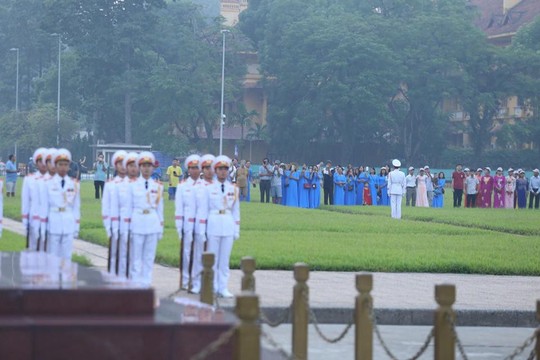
column 221, row 161
column 39, row 154
column 192, row 161
column 130, row 158
column 396, row 163
column 146, row 157
column 120, row 155
column 62, row 155
column 49, row 154
column 207, row 160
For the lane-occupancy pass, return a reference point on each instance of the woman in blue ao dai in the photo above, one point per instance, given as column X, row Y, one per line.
column 382, row 181
column 373, row 183
column 292, row 189
column 303, row 190
column 339, row 187
column 350, row 188
column 315, row 193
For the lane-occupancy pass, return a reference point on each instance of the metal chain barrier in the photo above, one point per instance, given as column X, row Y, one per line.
column 523, row 346
column 315, row 322
column 286, row 315
column 460, row 347
column 276, row 346
column 215, row 345
column 387, row 350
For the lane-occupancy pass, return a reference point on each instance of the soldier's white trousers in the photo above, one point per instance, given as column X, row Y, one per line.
column 221, row 247
column 118, row 254
column 196, row 270
column 33, row 237
column 186, row 256
column 60, row 245
column 395, row 204
column 141, row 258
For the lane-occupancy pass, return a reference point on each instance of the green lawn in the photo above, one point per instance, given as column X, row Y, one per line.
column 483, row 241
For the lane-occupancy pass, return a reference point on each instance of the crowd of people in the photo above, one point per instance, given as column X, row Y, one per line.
column 301, row 186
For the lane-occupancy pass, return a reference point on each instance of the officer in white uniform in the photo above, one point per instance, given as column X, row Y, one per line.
column 207, row 171
column 123, row 190
column 218, row 216
column 110, row 212
column 61, row 200
column 144, row 211
column 185, row 212
column 30, row 199
column 396, row 188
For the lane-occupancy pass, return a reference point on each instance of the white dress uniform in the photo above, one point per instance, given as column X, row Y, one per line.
column 61, row 201
column 396, row 189
column 218, row 215
column 110, row 212
column 145, row 213
column 185, row 213
column 30, row 198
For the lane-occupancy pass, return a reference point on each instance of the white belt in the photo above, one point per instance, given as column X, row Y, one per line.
column 220, row 212
column 145, row 211
column 59, row 209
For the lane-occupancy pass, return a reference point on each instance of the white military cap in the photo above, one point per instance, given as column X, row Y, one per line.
column 396, row 163
column 499, row 169
column 62, row 155
column 192, row 161
column 39, row 154
column 120, row 155
column 207, row 160
column 146, row 157
column 221, row 161
column 50, row 153
column 130, row 158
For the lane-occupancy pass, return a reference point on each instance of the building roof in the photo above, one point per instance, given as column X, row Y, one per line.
column 496, row 23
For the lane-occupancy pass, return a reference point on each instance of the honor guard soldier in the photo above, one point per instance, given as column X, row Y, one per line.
column 30, row 200
column 132, row 174
column 61, row 201
column 145, row 214
column 396, row 188
column 207, row 171
column 110, row 212
column 218, row 216
column 185, row 212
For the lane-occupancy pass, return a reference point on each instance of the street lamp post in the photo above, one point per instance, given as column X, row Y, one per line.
column 58, row 94
column 222, row 115
column 17, row 81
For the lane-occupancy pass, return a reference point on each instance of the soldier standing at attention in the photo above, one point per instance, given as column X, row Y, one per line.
column 110, row 212
column 122, row 194
column 30, row 199
column 61, row 201
column 185, row 212
column 218, row 216
column 396, row 188
column 145, row 214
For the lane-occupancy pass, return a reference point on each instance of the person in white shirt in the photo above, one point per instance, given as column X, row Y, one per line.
column 60, row 202
column 30, row 198
column 410, row 185
column 534, row 190
column 185, row 212
column 218, row 216
column 145, row 215
column 110, row 211
column 123, row 192
column 471, row 188
column 396, row 188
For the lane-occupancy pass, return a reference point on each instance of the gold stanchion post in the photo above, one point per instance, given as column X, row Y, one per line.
column 248, row 268
column 300, row 312
column 445, row 347
column 363, row 345
column 207, row 278
column 248, row 334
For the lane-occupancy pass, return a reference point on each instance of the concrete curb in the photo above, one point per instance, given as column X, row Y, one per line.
column 416, row 317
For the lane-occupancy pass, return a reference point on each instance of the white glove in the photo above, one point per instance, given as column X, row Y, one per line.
column 236, row 236
column 160, row 235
